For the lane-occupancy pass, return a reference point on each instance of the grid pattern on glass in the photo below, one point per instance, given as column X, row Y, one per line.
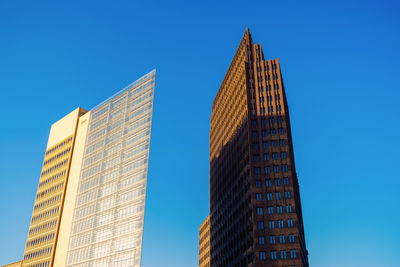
column 108, row 220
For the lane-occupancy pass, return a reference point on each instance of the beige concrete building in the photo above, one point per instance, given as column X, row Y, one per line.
column 14, row 264
column 204, row 243
column 89, row 206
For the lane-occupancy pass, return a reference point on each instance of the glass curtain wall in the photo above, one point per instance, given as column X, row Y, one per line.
column 107, row 226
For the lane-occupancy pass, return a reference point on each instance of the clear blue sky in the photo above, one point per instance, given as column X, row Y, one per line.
column 341, row 65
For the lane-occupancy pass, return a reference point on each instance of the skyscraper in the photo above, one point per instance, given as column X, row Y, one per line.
column 255, row 210
column 90, row 201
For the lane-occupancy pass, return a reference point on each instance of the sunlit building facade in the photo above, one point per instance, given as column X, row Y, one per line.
column 89, row 207
column 204, row 243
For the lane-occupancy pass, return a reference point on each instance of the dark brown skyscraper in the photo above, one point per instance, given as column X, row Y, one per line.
column 255, row 210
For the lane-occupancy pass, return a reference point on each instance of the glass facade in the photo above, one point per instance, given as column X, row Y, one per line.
column 107, row 227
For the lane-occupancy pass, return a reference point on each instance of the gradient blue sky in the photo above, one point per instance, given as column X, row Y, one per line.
column 340, row 64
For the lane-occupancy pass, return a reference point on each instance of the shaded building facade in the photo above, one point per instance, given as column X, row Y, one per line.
column 255, row 209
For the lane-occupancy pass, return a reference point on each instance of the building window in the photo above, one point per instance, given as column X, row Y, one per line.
column 282, row 239
column 275, row 155
column 271, row 224
column 268, row 182
column 258, row 183
column 259, row 211
column 263, row 122
column 282, row 142
column 288, row 208
column 261, row 240
column 260, row 225
column 262, row 255
column 292, row 253
column 255, row 146
column 290, row 223
column 276, row 168
column 281, row 131
column 286, row 181
column 277, row 182
column 283, row 254
column 266, row 157
column 273, row 255
column 272, row 239
column 280, row 223
column 269, row 196
column 273, row 143
column 255, row 134
column 265, row 145
column 271, row 121
column 259, row 196
column 270, row 210
column 267, row 170
column 264, row 133
column 287, row 194
column 284, row 168
column 291, row 238
column 278, row 195
column 256, row 158
column 283, row 155
column 257, row 170
column 273, row 132
column 254, row 122
column 279, row 209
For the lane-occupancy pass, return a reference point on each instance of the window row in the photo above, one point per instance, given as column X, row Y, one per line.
column 59, row 155
column 270, row 210
column 55, row 167
column 275, row 168
column 58, row 146
column 38, row 253
column 267, row 78
column 270, row 121
column 52, row 178
column 95, row 125
column 110, row 202
column 265, row 133
column 283, row 254
column 132, row 94
column 278, row 195
column 47, row 202
column 50, row 190
column 271, row 144
column 275, row 224
column 41, row 239
column 274, row 156
column 108, row 217
column 136, row 124
column 45, row 214
column 42, row 264
column 106, row 233
column 270, row 109
column 277, row 182
column 281, row 239
column 42, row 227
column 269, row 98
